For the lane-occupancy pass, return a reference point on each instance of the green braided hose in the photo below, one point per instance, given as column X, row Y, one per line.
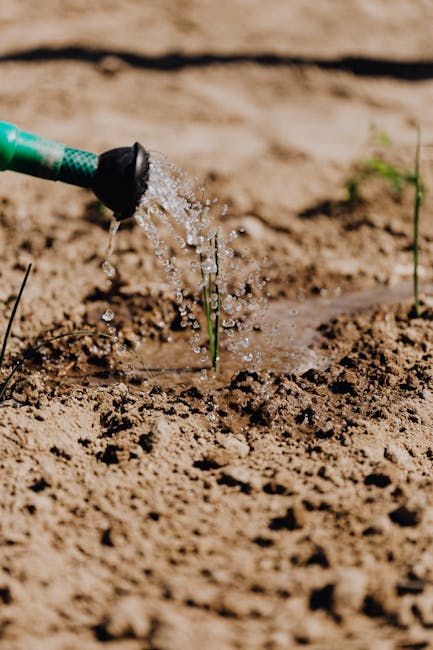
column 78, row 167
column 30, row 154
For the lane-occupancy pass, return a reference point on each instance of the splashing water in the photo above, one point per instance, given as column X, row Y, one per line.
column 175, row 210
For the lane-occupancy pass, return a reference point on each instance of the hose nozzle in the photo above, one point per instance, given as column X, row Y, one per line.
column 118, row 177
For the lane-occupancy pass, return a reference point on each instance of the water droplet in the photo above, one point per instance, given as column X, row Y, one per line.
column 108, row 269
column 108, row 315
column 114, row 226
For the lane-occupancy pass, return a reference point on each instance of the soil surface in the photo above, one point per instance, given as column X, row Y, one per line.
column 267, row 508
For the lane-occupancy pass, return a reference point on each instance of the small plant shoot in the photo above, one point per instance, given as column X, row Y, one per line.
column 11, row 320
column 397, row 178
column 418, row 199
column 376, row 166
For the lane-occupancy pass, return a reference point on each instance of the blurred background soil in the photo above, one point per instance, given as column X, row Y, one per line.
column 272, row 510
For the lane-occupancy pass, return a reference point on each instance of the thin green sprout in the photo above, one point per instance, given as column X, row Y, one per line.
column 418, row 198
column 210, row 287
column 218, row 307
column 12, row 316
column 208, row 311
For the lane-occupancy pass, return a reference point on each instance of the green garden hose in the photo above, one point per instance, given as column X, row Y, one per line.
column 118, row 177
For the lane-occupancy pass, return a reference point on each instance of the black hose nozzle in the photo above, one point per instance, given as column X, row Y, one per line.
column 121, row 179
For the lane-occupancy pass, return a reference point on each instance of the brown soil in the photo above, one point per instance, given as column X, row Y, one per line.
column 277, row 509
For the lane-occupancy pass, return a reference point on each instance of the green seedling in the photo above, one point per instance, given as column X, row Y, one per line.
column 418, row 199
column 211, row 295
column 376, row 167
column 398, row 179
column 212, row 304
column 12, row 317
column 38, row 346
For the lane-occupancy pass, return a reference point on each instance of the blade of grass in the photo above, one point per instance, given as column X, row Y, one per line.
column 416, row 213
column 12, row 316
column 77, row 334
column 208, row 312
column 218, row 307
column 207, row 291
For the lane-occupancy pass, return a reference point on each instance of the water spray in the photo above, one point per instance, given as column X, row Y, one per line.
column 118, row 177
